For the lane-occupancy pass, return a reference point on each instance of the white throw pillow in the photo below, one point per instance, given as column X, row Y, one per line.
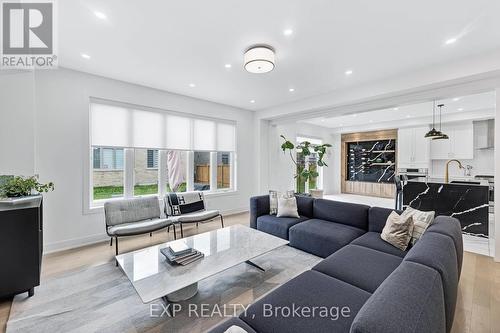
column 273, row 200
column 397, row 230
column 235, row 329
column 421, row 220
column 287, row 207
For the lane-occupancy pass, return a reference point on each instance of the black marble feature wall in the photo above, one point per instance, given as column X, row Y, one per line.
column 468, row 203
column 371, row 161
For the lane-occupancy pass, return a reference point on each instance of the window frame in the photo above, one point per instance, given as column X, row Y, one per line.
column 91, row 206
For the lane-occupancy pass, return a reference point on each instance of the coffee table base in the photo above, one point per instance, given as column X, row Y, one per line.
column 184, row 293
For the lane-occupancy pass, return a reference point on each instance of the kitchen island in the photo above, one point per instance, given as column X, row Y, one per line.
column 468, row 201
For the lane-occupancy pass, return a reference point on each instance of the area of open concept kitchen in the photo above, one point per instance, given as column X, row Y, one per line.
column 432, row 156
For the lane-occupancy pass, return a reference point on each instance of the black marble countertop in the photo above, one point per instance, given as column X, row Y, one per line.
column 473, row 182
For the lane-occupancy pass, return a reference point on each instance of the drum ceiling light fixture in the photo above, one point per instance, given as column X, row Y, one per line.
column 259, row 59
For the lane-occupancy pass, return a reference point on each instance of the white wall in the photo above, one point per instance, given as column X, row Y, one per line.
column 62, row 127
column 17, row 119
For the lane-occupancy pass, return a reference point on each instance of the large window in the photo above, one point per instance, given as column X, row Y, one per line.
column 107, row 173
column 175, row 170
column 145, row 173
column 201, row 171
column 223, row 170
column 152, row 152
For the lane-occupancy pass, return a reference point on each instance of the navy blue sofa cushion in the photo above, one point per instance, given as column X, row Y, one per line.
column 360, row 266
column 377, row 216
column 438, row 252
column 450, row 227
column 409, row 300
column 221, row 328
column 341, row 212
column 373, row 241
column 259, row 205
column 309, row 289
column 321, row 237
column 277, row 226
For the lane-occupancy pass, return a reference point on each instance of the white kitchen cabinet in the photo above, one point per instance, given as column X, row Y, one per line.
column 413, row 148
column 460, row 145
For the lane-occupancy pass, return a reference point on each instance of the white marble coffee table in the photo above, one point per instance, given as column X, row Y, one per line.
column 153, row 278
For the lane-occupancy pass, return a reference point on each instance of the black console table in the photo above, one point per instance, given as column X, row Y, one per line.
column 21, row 245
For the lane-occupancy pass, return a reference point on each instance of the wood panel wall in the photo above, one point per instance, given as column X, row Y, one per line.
column 384, row 190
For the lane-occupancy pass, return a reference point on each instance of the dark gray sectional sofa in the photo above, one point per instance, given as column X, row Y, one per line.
column 386, row 289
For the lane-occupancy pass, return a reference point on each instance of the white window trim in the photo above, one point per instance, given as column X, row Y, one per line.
column 92, row 206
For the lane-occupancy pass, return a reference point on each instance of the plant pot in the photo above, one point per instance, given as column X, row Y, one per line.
column 318, row 194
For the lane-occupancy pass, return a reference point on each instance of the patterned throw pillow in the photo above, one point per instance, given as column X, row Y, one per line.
column 421, row 220
column 397, row 230
column 273, row 200
column 287, row 207
column 184, row 202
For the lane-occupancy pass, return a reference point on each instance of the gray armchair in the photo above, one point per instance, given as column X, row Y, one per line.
column 130, row 217
column 189, row 207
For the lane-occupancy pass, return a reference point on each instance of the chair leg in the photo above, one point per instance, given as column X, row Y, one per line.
column 150, row 234
column 196, row 224
column 111, row 241
column 175, row 233
column 116, row 249
column 168, row 229
column 182, row 232
column 221, row 220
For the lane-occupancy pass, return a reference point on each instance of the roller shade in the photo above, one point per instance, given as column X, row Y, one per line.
column 116, row 126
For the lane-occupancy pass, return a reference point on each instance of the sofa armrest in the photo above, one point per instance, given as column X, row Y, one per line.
column 259, row 205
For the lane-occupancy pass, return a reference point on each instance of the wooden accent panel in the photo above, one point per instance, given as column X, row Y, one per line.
column 385, row 190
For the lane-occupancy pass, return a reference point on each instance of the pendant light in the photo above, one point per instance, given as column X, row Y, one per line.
column 443, row 136
column 432, row 134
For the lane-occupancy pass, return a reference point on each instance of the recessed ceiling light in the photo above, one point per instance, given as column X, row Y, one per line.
column 323, row 120
column 85, row 56
column 100, row 15
column 451, row 41
column 192, row 85
column 252, row 101
column 287, row 32
column 371, row 121
column 355, row 115
column 456, row 99
column 291, row 89
column 227, row 65
column 408, row 116
column 348, row 72
column 341, row 124
column 396, row 109
column 460, row 109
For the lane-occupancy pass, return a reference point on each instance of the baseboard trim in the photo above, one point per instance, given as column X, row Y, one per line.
column 93, row 239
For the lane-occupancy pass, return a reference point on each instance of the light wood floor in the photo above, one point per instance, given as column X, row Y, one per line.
column 478, row 306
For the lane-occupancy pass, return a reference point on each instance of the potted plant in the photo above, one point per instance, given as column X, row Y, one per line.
column 308, row 158
column 19, row 187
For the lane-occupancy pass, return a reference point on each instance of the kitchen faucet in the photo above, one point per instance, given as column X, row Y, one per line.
column 446, row 171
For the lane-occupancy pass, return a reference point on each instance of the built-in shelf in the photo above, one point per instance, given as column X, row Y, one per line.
column 388, row 163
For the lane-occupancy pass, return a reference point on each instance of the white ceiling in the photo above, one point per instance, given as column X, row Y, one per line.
column 170, row 44
column 458, row 107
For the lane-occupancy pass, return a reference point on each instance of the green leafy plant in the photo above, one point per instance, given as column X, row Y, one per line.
column 304, row 150
column 20, row 186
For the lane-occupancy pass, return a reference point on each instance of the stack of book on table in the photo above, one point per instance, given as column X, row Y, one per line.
column 180, row 254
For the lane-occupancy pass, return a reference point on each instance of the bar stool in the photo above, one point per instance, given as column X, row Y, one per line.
column 399, row 192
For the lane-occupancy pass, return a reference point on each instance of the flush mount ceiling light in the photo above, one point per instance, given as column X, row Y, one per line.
column 259, row 59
